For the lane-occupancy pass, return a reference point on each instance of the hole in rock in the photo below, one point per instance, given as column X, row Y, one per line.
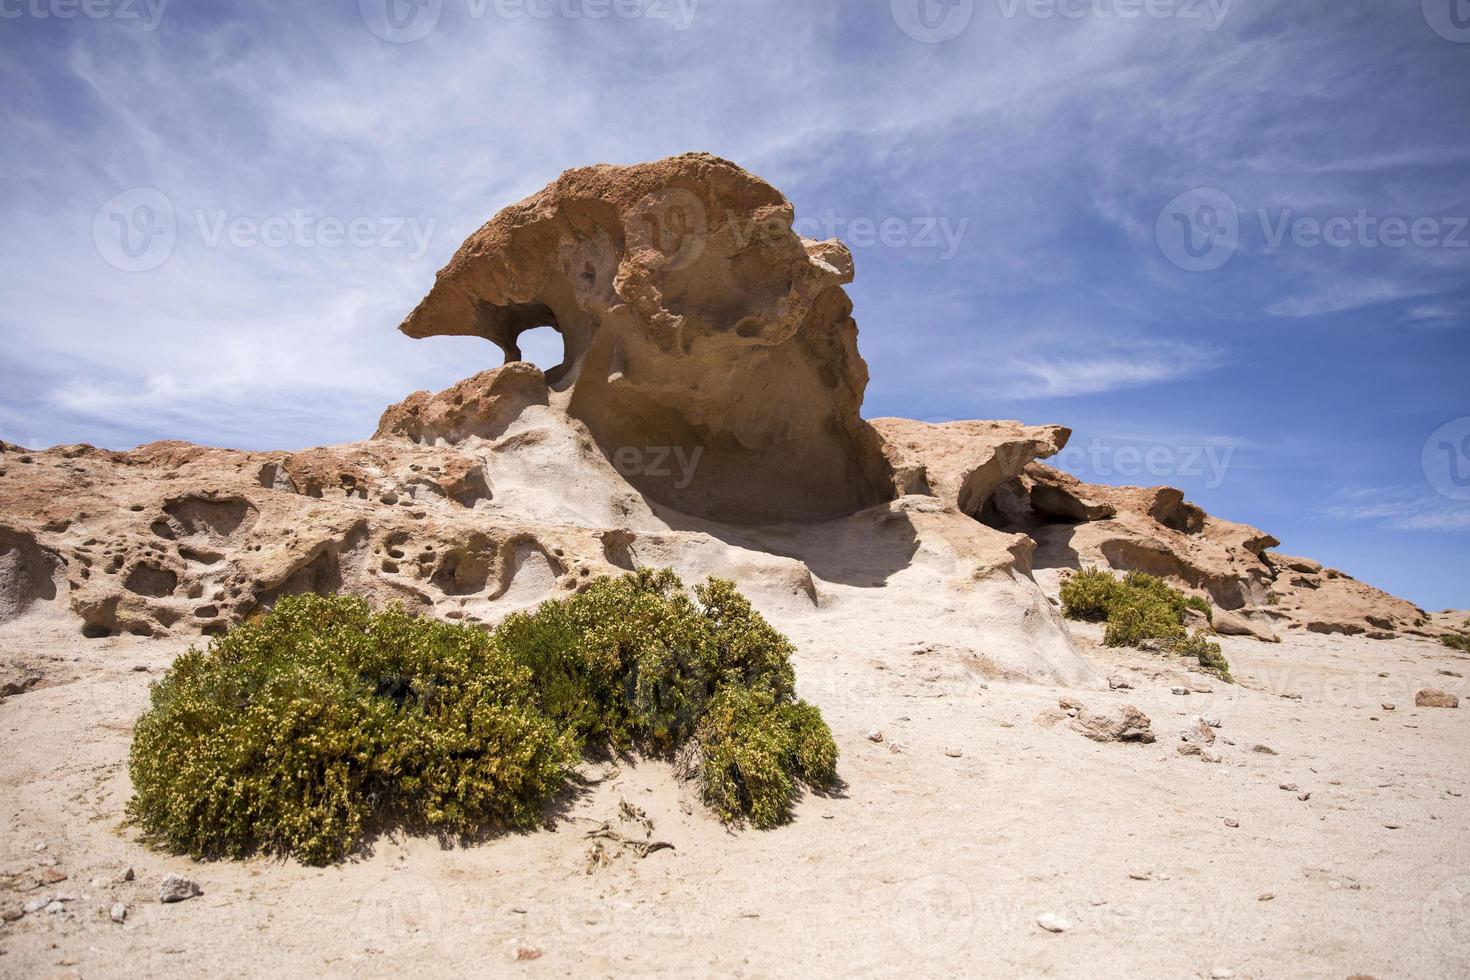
column 150, row 580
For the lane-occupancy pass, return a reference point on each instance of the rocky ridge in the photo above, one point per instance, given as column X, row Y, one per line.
column 706, row 418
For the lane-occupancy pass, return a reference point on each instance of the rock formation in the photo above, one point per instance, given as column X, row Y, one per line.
column 706, row 418
column 694, row 321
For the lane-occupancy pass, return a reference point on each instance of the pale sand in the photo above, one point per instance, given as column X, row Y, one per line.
column 927, row 865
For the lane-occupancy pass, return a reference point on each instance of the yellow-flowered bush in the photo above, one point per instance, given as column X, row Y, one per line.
column 305, row 731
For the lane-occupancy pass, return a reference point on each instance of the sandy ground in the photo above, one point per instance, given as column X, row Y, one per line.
column 979, row 810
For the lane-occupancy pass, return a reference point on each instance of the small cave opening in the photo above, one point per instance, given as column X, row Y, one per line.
column 526, row 332
column 544, row 347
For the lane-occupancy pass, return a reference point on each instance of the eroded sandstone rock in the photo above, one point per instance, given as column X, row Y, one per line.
column 695, row 321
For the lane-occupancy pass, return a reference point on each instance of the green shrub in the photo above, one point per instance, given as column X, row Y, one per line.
column 1089, row 594
column 1141, row 608
column 294, row 733
column 304, row 731
column 753, row 747
column 1456, row 642
column 1207, row 653
column 1201, row 604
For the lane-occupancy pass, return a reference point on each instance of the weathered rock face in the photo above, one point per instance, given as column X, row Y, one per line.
column 706, row 419
column 697, row 325
column 1154, row 530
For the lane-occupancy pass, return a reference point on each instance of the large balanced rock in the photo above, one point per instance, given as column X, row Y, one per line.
column 697, row 325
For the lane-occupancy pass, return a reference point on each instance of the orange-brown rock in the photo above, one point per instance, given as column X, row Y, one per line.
column 695, row 321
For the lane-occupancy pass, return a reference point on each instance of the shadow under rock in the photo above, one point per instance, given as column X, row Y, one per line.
column 862, row 550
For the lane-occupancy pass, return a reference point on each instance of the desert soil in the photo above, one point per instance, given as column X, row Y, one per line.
column 980, row 810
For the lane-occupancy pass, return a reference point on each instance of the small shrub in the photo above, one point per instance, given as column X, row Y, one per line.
column 1206, row 653
column 294, row 733
column 1201, row 604
column 302, row 731
column 1459, row 642
column 1088, row 595
column 1142, row 608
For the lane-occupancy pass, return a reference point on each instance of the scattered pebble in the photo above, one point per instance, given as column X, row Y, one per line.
column 1263, row 749
column 1210, row 755
column 1387, row 706
column 36, row 905
column 527, row 953
column 875, row 736
column 140, row 668
column 1141, row 875
column 1266, row 896
column 178, row 889
column 1179, row 691
column 1212, row 721
column 1231, row 822
column 1393, row 826
column 118, row 913
column 128, row 875
column 953, row 753
column 1289, row 787
column 1221, row 973
column 1304, row 797
column 1052, row 922
column 1119, row 683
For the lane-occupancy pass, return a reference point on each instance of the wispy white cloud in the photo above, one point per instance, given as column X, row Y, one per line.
column 1402, row 508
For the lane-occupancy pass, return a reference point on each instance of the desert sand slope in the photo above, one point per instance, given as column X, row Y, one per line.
column 980, row 810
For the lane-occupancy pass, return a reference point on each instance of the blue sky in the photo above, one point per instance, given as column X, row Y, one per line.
column 1097, row 213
